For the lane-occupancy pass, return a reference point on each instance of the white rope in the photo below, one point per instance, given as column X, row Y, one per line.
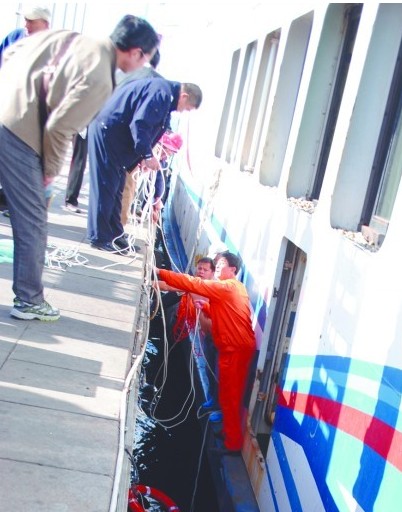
column 204, row 437
column 60, row 258
column 190, row 398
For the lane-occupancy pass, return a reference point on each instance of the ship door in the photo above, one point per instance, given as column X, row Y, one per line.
column 285, row 301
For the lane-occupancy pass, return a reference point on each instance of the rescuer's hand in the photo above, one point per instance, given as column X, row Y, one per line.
column 150, row 164
column 199, row 304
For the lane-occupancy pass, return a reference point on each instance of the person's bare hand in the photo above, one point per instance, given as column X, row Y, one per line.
column 150, row 164
column 199, row 304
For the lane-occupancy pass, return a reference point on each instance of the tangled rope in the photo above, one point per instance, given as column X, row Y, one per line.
column 59, row 258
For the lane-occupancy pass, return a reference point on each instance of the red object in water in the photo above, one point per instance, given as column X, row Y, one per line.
column 134, row 499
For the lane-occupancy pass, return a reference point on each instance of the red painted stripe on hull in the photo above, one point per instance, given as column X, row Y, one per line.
column 379, row 436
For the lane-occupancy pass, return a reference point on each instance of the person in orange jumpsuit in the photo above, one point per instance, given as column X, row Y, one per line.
column 186, row 318
column 233, row 335
column 186, row 323
column 186, row 312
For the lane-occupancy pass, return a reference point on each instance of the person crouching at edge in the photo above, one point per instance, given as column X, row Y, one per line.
column 233, row 335
column 34, row 141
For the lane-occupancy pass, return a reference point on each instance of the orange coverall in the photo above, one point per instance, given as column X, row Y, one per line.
column 233, row 335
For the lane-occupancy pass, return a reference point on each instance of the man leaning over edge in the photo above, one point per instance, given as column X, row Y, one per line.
column 34, row 140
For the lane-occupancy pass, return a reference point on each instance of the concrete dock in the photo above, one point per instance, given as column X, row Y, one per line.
column 63, row 383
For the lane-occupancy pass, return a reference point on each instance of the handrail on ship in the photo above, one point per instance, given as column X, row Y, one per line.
column 119, row 498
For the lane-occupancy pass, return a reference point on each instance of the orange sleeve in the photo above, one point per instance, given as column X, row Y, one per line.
column 212, row 289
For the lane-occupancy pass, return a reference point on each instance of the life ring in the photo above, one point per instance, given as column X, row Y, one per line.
column 134, row 504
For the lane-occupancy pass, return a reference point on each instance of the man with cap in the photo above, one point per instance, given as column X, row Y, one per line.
column 37, row 18
column 51, row 86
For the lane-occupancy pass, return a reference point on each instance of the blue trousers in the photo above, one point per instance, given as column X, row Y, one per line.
column 106, row 185
column 212, row 370
column 21, row 176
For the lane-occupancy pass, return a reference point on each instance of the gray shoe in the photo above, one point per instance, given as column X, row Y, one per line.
column 27, row 311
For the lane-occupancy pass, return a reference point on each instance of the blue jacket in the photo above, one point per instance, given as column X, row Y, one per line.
column 10, row 38
column 133, row 120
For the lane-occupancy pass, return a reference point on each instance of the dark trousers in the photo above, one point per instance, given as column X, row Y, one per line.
column 77, row 169
column 21, row 176
column 3, row 201
column 106, row 185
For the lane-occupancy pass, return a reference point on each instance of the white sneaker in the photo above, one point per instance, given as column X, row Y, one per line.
column 27, row 311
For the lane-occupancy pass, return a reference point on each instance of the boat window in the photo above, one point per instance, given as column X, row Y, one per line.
column 226, row 106
column 253, row 133
column 352, row 18
column 286, row 91
column 368, row 162
column 239, row 106
column 324, row 97
column 387, row 167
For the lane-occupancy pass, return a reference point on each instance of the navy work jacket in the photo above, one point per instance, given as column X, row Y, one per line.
column 133, row 120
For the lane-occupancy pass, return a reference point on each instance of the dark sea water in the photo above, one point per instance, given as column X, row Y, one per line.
column 166, row 458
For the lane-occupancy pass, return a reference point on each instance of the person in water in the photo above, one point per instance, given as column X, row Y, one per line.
column 233, row 335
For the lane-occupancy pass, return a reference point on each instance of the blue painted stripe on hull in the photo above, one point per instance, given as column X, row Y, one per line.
column 286, row 473
column 316, row 447
column 173, row 240
column 271, row 487
column 354, row 465
column 384, row 406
